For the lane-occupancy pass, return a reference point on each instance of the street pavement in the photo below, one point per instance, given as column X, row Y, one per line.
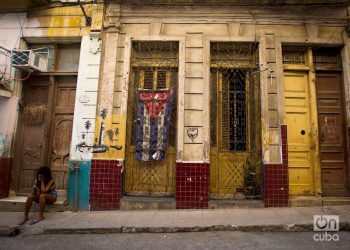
column 286, row 219
column 181, row 241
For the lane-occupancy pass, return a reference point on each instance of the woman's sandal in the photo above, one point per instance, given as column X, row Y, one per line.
column 22, row 222
column 35, row 221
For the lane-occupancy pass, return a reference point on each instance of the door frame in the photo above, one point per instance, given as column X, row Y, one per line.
column 180, row 89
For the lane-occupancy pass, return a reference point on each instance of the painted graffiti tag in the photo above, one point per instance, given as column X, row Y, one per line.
column 100, row 147
column 192, row 133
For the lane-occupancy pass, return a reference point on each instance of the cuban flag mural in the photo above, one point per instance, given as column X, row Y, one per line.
column 153, row 120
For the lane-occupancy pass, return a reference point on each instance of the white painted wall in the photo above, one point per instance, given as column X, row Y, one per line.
column 86, row 98
column 10, row 33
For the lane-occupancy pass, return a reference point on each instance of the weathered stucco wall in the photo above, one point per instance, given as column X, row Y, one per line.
column 270, row 27
column 54, row 24
column 86, row 98
column 10, row 32
column 63, row 24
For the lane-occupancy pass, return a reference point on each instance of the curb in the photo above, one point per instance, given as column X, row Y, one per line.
column 9, row 231
column 253, row 228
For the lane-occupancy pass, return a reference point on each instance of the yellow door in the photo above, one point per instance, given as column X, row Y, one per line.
column 298, row 120
column 150, row 178
column 232, row 110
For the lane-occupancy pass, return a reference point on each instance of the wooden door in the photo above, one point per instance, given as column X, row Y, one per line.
column 32, row 132
column 332, row 136
column 44, row 130
column 61, row 131
column 298, row 120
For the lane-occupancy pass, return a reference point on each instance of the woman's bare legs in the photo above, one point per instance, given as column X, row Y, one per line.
column 29, row 202
column 43, row 199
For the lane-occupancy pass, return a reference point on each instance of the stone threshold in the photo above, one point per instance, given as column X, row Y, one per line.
column 310, row 201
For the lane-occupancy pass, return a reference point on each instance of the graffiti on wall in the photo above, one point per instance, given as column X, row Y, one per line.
column 192, row 133
column 100, row 146
column 2, row 145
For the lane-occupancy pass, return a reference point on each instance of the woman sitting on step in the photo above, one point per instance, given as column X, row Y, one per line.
column 43, row 192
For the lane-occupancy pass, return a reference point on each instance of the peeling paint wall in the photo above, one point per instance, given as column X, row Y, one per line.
column 10, row 32
column 61, row 22
column 270, row 27
column 86, row 98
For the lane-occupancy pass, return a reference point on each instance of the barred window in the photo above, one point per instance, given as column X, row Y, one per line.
column 232, row 67
column 154, row 66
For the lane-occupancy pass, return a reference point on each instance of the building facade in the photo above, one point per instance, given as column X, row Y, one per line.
column 192, row 103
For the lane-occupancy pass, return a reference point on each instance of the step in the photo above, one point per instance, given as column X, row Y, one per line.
column 309, row 201
column 17, row 204
column 335, row 201
column 239, row 203
column 146, row 203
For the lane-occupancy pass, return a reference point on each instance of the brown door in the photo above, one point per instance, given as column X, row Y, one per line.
column 333, row 153
column 44, row 130
column 30, row 149
column 61, row 131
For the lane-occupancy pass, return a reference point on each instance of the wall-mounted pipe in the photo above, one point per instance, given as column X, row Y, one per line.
column 76, row 168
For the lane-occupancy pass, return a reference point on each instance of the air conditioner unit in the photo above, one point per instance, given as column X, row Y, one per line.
column 29, row 60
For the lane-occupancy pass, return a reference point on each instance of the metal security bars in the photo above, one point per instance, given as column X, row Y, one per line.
column 294, row 56
column 235, row 120
column 154, row 68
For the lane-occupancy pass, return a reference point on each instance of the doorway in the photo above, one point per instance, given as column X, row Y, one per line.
column 44, row 129
column 332, row 134
column 235, row 153
column 151, row 123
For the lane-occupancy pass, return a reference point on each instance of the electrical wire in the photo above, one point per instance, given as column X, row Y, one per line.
column 18, row 79
column 21, row 31
column 23, row 79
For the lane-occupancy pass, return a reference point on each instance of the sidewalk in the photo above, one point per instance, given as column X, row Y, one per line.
column 133, row 221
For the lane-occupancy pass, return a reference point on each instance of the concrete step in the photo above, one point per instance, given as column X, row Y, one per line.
column 310, row 201
column 241, row 203
column 146, row 203
column 335, row 201
column 17, row 204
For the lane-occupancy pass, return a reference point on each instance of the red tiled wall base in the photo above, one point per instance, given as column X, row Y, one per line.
column 192, row 185
column 276, row 178
column 5, row 176
column 105, row 185
column 349, row 136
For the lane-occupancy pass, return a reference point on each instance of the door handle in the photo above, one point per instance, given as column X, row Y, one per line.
column 323, row 138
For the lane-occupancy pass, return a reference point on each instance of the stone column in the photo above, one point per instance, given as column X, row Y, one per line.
column 106, row 177
column 104, row 144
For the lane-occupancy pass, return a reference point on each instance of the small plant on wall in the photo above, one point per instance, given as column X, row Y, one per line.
column 251, row 179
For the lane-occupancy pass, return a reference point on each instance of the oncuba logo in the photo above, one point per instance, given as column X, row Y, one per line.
column 326, row 224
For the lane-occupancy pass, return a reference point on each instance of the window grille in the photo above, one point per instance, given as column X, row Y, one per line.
column 294, row 56
column 232, row 68
column 327, row 58
column 154, row 66
column 235, row 120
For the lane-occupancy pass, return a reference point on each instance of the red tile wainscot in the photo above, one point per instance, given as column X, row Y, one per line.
column 276, row 178
column 349, row 140
column 105, row 185
column 192, row 185
column 5, row 176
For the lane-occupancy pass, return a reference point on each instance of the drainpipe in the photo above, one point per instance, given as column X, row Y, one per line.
column 76, row 168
